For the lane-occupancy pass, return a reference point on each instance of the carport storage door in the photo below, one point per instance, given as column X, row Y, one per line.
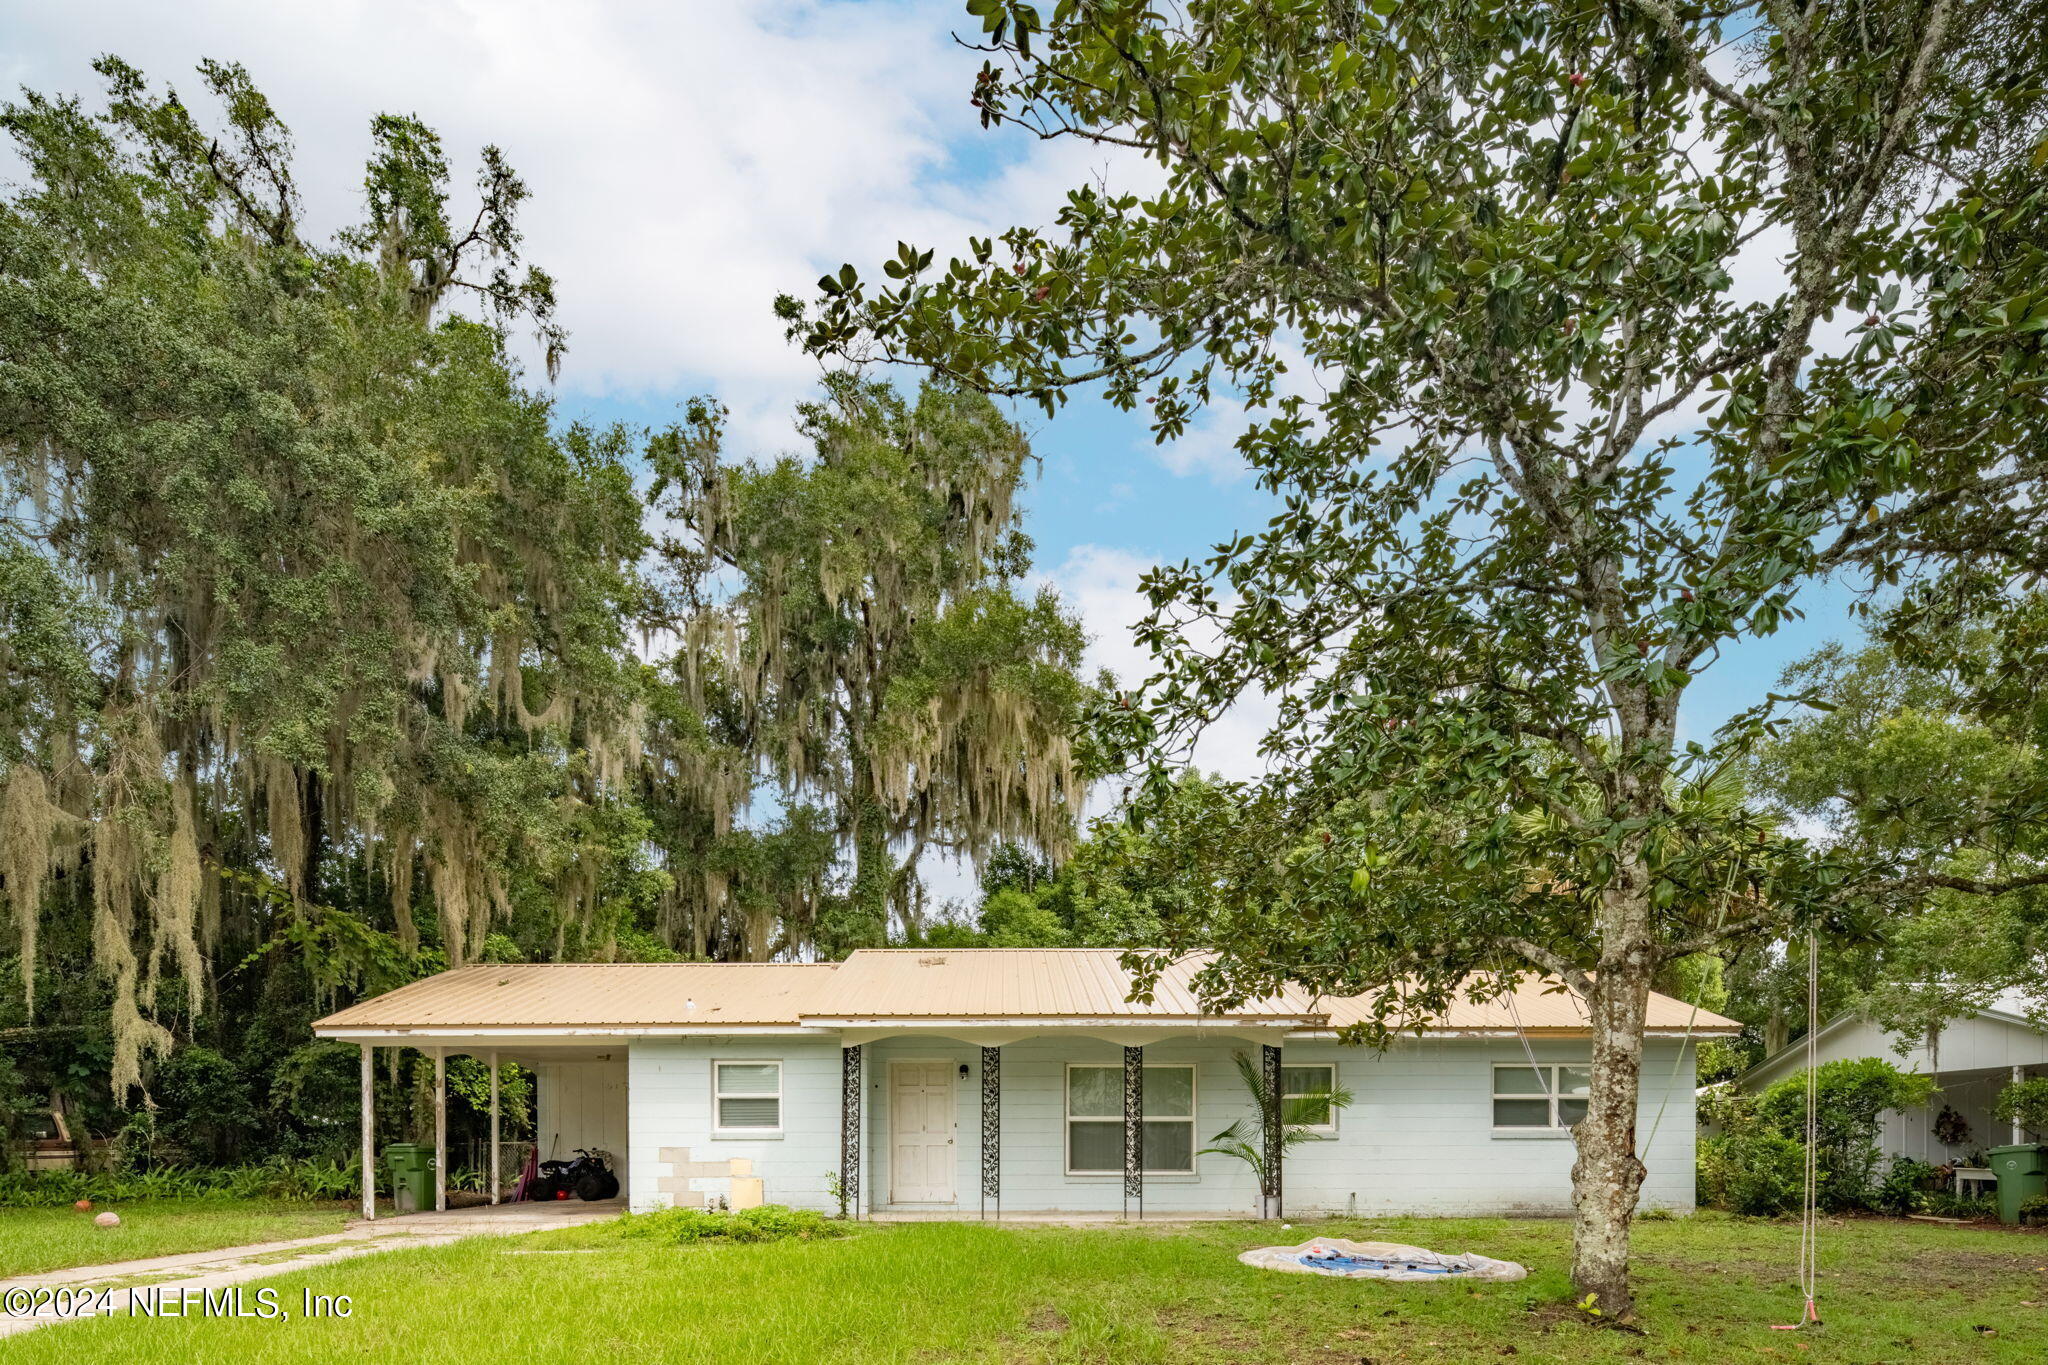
column 582, row 1104
column 921, row 1132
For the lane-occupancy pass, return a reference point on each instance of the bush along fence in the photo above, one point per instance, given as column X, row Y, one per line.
column 309, row 1179
column 279, row 1178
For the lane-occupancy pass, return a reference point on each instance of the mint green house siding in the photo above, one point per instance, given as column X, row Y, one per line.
column 1419, row 1137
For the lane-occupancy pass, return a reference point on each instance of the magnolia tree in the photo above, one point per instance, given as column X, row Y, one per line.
column 1614, row 327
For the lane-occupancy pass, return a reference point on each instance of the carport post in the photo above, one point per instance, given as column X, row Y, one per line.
column 440, row 1130
column 2019, row 1134
column 494, row 1125
column 369, row 1133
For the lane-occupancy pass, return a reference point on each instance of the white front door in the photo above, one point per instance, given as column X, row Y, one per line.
column 921, row 1132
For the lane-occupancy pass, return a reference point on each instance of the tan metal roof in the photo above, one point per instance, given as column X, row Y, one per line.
column 1020, row 983
column 593, row 995
column 904, row 984
column 1537, row 1005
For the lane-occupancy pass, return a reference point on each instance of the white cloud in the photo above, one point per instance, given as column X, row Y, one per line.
column 1209, row 448
column 687, row 162
column 1100, row 583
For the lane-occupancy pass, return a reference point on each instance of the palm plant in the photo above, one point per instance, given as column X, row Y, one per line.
column 1246, row 1139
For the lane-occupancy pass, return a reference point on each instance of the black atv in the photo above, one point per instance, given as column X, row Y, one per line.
column 589, row 1177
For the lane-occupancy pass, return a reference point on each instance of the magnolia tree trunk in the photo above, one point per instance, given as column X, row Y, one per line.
column 1608, row 1175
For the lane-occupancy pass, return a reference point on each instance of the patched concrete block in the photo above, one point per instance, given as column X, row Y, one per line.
column 702, row 1184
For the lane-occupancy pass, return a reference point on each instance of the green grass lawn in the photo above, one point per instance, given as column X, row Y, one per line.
column 1711, row 1287
column 32, row 1240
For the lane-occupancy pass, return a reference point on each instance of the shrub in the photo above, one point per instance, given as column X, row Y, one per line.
column 1727, row 1109
column 1945, row 1204
column 768, row 1223
column 204, row 1102
column 1906, row 1186
column 2026, row 1104
column 316, row 1086
column 1757, row 1173
column 278, row 1178
column 1851, row 1096
column 2034, row 1210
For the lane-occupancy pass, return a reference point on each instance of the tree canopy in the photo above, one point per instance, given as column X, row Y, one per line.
column 1623, row 326
column 332, row 655
column 290, row 549
column 1910, row 762
column 877, row 642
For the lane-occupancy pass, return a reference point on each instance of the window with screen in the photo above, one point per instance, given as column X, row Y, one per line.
column 747, row 1097
column 1095, row 1120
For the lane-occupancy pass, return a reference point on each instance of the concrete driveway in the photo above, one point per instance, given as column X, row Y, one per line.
column 167, row 1276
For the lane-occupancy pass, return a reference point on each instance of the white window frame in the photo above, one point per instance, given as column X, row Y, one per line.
column 1067, row 1107
column 718, row 1127
column 1553, row 1081
column 1286, row 1094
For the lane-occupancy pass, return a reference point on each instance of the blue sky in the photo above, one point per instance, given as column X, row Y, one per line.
column 690, row 162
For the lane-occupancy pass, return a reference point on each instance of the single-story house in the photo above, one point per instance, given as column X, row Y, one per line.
column 1971, row 1060
column 991, row 1081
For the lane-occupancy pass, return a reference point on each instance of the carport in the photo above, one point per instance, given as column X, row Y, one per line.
column 575, row 1070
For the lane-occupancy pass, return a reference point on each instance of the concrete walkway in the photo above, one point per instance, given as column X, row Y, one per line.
column 78, row 1291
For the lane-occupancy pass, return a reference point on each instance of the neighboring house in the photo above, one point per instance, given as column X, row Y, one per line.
column 1970, row 1059
column 976, row 1082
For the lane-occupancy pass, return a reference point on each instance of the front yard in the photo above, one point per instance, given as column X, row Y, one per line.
column 39, row 1239
column 1712, row 1286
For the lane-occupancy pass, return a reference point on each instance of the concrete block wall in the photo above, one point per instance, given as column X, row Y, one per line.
column 1418, row 1137
column 670, row 1084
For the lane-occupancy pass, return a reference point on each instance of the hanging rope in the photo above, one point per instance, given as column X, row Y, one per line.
column 1542, row 1076
column 1809, row 1216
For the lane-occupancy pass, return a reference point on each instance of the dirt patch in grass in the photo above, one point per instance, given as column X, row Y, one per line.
column 1046, row 1319
column 1958, row 1269
column 1206, row 1337
column 1209, row 1337
column 1549, row 1317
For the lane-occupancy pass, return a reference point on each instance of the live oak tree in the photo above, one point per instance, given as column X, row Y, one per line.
column 1623, row 323
column 862, row 608
column 307, row 614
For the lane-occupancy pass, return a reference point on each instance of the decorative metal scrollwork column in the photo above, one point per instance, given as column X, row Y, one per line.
column 849, row 1128
column 992, row 1130
column 1269, row 1058
column 1134, row 1129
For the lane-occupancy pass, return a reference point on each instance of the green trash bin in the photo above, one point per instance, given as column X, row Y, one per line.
column 412, row 1176
column 2022, row 1173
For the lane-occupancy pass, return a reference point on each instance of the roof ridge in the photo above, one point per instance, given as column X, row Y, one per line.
column 499, row 966
column 983, row 948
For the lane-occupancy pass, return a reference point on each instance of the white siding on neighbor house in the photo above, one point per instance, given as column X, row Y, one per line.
column 1963, row 1045
column 1912, row 1133
column 1418, row 1137
column 671, row 1108
column 583, row 1104
column 1984, row 1044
